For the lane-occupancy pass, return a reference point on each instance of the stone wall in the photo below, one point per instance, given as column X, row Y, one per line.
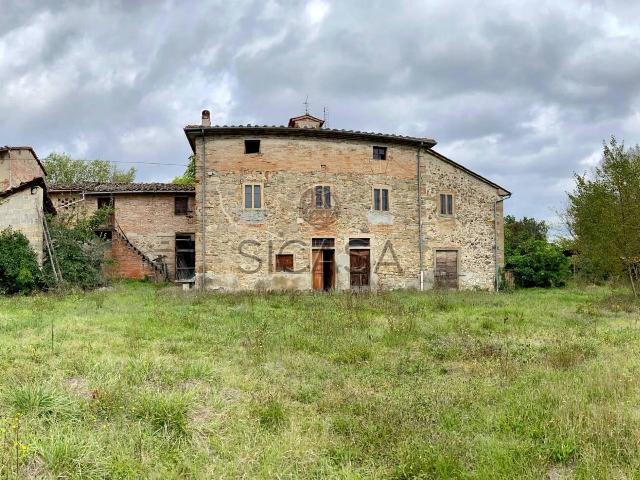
column 241, row 244
column 148, row 219
column 22, row 211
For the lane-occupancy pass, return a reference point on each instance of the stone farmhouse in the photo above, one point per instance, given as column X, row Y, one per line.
column 23, row 195
column 151, row 230
column 305, row 207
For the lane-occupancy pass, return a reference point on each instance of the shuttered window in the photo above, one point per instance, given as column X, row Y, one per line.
column 284, row 262
column 181, row 205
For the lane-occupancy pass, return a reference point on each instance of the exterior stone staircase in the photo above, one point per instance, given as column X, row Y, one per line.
column 128, row 261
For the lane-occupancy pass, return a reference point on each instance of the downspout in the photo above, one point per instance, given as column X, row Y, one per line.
column 420, row 245
column 10, row 166
column 495, row 240
column 202, row 211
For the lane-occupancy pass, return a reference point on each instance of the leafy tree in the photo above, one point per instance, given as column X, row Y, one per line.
column 189, row 175
column 519, row 232
column 19, row 270
column 603, row 215
column 534, row 261
column 61, row 168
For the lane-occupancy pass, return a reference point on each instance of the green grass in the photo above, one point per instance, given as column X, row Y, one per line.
column 151, row 382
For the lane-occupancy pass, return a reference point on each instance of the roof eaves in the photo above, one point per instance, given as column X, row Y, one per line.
column 470, row 172
column 193, row 131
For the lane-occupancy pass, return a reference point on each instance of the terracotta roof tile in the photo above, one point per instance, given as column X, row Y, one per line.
column 95, row 187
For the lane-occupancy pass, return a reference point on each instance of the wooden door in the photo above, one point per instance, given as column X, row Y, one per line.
column 446, row 275
column 316, row 270
column 359, row 269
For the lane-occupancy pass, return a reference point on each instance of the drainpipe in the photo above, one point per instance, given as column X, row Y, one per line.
column 495, row 239
column 420, row 246
column 203, row 177
column 10, row 177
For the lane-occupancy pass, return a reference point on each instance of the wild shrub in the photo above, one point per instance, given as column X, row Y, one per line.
column 19, row 270
column 79, row 252
column 539, row 264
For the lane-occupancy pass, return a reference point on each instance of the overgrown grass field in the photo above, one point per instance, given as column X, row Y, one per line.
column 143, row 381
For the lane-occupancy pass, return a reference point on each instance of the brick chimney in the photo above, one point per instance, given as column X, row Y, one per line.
column 206, row 118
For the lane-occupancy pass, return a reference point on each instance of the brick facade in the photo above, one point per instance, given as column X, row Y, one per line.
column 146, row 217
column 18, row 165
column 241, row 243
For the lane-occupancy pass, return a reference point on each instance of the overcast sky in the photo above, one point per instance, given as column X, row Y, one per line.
column 521, row 92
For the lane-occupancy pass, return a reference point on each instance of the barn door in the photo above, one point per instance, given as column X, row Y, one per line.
column 446, row 275
column 359, row 269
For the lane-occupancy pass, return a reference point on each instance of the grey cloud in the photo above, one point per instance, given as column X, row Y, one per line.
column 521, row 93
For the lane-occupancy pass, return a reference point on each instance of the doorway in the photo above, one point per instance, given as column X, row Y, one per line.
column 359, row 269
column 446, row 269
column 185, row 256
column 323, row 268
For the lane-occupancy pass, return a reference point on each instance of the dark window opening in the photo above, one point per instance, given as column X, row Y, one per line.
column 185, row 256
column 323, row 196
column 359, row 242
column 105, row 234
column 446, row 204
column 323, row 242
column 252, row 146
column 379, row 153
column 284, row 262
column 381, row 199
column 252, row 196
column 181, row 205
column 106, row 202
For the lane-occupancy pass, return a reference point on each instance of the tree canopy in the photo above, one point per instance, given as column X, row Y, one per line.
column 603, row 214
column 61, row 168
column 534, row 261
column 189, row 175
column 517, row 233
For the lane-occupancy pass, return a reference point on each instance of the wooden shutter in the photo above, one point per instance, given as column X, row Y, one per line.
column 284, row 262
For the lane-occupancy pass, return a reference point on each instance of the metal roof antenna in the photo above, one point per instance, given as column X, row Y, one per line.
column 325, row 116
column 306, row 105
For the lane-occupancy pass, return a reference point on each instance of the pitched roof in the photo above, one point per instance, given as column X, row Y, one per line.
column 306, row 116
column 97, row 187
column 36, row 182
column 6, row 148
column 193, row 131
column 503, row 191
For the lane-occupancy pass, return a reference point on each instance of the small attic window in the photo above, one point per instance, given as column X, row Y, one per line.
column 252, row 146
column 379, row 153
